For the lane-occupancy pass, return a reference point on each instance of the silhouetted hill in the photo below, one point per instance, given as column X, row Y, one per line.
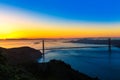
column 29, row 69
column 21, row 55
column 56, row 70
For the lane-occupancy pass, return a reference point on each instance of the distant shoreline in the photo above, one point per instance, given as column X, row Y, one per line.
column 115, row 43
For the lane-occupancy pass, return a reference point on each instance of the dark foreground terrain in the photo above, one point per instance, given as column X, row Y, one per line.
column 18, row 64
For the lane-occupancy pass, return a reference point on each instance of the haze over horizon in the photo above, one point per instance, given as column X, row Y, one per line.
column 59, row 18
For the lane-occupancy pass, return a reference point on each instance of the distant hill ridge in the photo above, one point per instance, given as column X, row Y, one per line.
column 97, row 41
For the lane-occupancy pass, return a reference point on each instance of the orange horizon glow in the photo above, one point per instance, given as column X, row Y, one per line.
column 59, row 33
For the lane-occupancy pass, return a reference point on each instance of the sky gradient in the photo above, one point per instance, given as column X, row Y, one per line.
column 59, row 18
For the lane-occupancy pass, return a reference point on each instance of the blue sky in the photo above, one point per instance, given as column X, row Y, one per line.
column 81, row 10
column 59, row 18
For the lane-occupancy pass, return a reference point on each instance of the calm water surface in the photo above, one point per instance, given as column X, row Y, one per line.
column 91, row 61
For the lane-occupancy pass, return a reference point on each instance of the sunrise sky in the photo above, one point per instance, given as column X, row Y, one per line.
column 59, row 18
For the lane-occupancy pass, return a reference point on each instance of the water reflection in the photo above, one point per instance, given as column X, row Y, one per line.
column 92, row 61
column 97, row 61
